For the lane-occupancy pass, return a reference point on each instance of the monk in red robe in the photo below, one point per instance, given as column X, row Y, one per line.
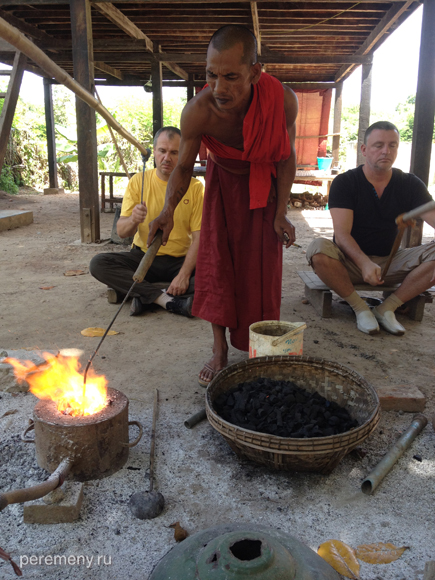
column 246, row 119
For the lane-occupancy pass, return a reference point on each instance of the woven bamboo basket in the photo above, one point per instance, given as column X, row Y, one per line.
column 332, row 380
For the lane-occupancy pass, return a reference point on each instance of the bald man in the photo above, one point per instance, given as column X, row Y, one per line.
column 246, row 119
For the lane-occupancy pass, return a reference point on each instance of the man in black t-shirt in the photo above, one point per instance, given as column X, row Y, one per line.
column 364, row 204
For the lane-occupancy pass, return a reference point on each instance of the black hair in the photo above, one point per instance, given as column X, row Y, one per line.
column 383, row 126
column 231, row 34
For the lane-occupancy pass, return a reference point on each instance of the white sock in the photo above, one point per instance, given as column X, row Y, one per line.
column 163, row 299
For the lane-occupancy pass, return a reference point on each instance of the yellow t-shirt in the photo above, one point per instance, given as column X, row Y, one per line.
column 187, row 216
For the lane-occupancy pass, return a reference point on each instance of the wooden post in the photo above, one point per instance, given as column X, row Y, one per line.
column 337, row 123
column 424, row 112
column 190, row 88
column 81, row 28
column 156, row 79
column 8, row 111
column 51, row 142
column 364, row 108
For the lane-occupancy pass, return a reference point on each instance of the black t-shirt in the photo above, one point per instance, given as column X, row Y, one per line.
column 374, row 227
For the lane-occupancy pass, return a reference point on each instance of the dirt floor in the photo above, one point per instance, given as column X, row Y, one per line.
column 203, row 482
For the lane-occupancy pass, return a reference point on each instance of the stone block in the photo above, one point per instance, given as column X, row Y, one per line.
column 10, row 219
column 53, row 190
column 58, row 507
column 405, row 398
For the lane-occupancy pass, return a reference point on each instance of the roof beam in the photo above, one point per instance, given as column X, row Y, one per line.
column 125, row 24
column 256, row 25
column 272, row 58
column 384, row 25
column 114, row 72
column 122, row 22
column 42, row 2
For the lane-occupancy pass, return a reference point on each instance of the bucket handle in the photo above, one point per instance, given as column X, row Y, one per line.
column 138, row 438
column 285, row 336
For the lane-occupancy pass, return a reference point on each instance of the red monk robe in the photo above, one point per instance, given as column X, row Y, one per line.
column 239, row 266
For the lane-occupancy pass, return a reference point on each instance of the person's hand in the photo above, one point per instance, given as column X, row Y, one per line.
column 164, row 222
column 179, row 285
column 371, row 273
column 285, row 230
column 139, row 213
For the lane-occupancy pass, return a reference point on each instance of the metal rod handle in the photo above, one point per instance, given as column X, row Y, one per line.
column 148, row 258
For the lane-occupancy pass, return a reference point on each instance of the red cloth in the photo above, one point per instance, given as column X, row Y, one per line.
column 312, row 120
column 239, row 267
column 265, row 138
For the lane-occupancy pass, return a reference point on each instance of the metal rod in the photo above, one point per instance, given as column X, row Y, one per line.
column 153, row 439
column 195, row 419
column 27, row 494
column 104, row 336
column 138, row 276
column 375, row 477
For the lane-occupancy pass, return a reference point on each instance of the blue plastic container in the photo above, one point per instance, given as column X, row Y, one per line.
column 324, row 163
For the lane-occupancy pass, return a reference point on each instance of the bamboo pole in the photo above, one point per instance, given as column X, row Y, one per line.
column 26, row 46
column 115, row 142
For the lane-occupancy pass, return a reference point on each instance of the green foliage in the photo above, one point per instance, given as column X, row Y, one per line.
column 7, row 182
column 405, row 118
column 26, row 161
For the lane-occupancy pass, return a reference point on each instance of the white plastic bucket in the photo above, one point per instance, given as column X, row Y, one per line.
column 273, row 337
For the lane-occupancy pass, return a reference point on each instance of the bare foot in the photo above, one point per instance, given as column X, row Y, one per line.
column 217, row 362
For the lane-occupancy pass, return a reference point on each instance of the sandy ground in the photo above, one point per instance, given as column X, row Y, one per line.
column 203, row 482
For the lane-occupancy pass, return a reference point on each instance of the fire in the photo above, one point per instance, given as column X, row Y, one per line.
column 60, row 381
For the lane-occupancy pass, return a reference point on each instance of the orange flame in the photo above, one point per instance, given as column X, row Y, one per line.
column 61, row 381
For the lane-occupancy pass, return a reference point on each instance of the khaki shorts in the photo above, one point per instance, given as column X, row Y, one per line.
column 404, row 261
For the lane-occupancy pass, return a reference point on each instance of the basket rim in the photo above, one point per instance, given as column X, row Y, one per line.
column 299, row 360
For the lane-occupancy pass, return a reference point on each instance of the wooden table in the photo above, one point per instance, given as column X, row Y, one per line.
column 313, row 177
column 112, row 200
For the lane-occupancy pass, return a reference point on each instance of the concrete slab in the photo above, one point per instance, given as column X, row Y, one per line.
column 10, row 219
column 61, row 506
column 53, row 190
column 407, row 398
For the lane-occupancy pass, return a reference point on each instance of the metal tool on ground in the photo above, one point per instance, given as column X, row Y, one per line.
column 195, row 419
column 403, row 221
column 376, row 476
column 138, row 276
column 147, row 505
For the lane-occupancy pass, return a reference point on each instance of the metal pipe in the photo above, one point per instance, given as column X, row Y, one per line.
column 37, row 491
column 195, row 419
column 375, row 477
column 26, row 46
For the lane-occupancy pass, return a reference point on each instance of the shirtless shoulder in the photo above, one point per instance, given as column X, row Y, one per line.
column 291, row 105
column 198, row 115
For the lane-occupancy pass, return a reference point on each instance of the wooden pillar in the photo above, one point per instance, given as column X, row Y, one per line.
column 190, row 88
column 337, row 123
column 424, row 111
column 8, row 111
column 156, row 79
column 364, row 108
column 81, row 28
column 51, row 142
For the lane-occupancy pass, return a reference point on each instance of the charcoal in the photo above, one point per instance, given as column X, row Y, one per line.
column 282, row 408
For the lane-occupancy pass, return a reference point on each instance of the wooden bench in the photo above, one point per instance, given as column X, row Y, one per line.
column 320, row 296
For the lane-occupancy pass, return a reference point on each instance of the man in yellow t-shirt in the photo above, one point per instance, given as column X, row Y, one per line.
column 175, row 262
